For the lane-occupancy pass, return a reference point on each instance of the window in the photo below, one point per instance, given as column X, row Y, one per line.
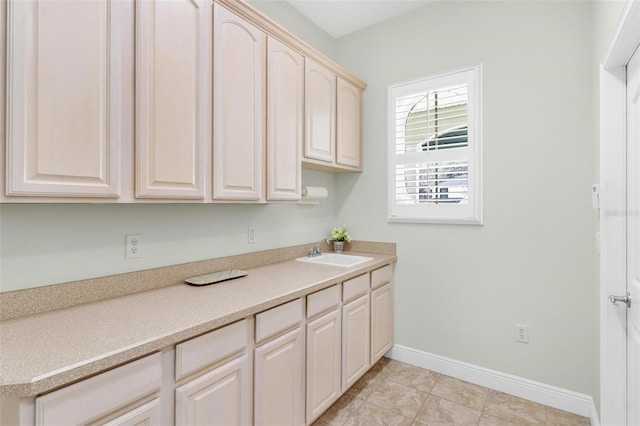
column 435, row 149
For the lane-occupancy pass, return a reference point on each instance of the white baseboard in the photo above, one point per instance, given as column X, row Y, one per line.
column 552, row 396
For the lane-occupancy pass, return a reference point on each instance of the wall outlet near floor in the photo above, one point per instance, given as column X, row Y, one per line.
column 522, row 333
column 133, row 246
column 251, row 234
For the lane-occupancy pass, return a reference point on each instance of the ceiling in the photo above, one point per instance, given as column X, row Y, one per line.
column 340, row 18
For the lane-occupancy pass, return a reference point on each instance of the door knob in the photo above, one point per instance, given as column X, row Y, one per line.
column 625, row 299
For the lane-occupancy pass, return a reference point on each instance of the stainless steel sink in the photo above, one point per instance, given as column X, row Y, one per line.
column 335, row 259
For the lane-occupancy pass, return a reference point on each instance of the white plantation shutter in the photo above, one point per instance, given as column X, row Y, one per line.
column 435, row 149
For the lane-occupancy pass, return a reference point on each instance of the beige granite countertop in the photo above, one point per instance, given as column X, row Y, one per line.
column 42, row 352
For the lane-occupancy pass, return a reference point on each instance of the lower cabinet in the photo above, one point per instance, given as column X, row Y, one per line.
column 381, row 321
column 323, row 363
column 283, row 366
column 355, row 340
column 214, row 377
column 219, row 397
column 123, row 396
column 279, row 381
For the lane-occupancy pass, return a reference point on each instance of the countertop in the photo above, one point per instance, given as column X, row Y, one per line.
column 42, row 352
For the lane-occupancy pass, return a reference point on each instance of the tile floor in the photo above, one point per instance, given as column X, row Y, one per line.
column 395, row 393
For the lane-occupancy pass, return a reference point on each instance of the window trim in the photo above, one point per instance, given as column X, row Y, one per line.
column 443, row 214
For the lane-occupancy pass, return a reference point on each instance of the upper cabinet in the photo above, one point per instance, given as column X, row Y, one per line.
column 285, row 121
column 173, row 68
column 333, row 106
column 168, row 101
column 239, row 66
column 349, row 125
column 64, row 98
column 320, row 108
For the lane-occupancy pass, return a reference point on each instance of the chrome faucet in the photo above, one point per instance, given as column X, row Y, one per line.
column 317, row 250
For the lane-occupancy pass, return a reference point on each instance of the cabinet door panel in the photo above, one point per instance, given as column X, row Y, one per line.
column 320, row 107
column 220, row 397
column 148, row 414
column 355, row 340
column 64, row 100
column 348, row 126
column 239, row 107
column 285, row 121
column 172, row 57
column 381, row 321
column 279, row 380
column 323, row 363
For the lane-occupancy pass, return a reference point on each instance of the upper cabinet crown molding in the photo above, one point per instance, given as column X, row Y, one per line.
column 64, row 98
column 243, row 9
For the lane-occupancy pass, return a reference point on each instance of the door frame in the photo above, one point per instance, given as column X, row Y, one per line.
column 613, row 271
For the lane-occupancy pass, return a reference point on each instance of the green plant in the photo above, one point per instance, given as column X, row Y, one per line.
column 341, row 234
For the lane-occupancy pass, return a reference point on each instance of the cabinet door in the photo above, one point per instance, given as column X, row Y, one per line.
column 239, row 65
column 349, row 125
column 320, row 107
column 64, row 98
column 219, row 397
column 381, row 321
column 172, row 69
column 323, row 363
column 148, row 414
column 279, row 381
column 355, row 340
column 285, row 94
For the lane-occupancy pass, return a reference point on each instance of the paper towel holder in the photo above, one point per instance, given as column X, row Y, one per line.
column 311, row 195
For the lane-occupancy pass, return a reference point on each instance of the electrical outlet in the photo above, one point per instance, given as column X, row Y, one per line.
column 522, row 333
column 133, row 246
column 251, row 234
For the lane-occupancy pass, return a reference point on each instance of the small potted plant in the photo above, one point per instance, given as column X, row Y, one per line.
column 340, row 235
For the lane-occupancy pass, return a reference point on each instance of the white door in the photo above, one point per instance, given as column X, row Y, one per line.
column 219, row 397
column 348, row 124
column 285, row 121
column 323, row 363
column 320, row 110
column 633, row 239
column 172, row 97
column 355, row 340
column 279, row 381
column 239, row 90
column 64, row 98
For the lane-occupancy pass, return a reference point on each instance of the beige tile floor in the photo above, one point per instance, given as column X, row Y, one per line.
column 395, row 393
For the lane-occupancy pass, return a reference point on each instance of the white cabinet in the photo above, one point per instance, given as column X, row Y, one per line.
column 64, row 98
column 285, row 121
column 173, row 67
column 273, row 368
column 355, row 340
column 323, row 363
column 381, row 321
column 349, row 125
column 102, row 399
column 333, row 138
column 219, row 397
column 239, row 65
column 320, row 112
column 279, row 380
column 223, row 393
